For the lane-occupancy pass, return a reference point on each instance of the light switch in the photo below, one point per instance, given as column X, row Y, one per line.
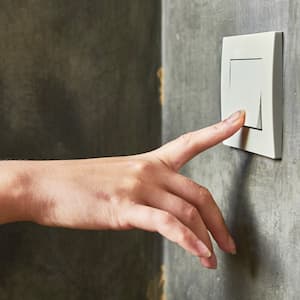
column 245, row 90
column 251, row 79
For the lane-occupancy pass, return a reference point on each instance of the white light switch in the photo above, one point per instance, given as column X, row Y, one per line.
column 251, row 80
column 245, row 89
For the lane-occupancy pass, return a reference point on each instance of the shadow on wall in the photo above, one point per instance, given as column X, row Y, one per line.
column 241, row 270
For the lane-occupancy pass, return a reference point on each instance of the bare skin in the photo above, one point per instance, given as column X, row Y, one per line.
column 141, row 191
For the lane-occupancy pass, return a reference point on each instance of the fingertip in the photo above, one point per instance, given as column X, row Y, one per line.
column 228, row 246
column 236, row 118
column 202, row 249
column 243, row 116
column 231, row 246
column 209, row 263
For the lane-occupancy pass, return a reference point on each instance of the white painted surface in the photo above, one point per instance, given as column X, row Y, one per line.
column 245, row 90
column 251, row 79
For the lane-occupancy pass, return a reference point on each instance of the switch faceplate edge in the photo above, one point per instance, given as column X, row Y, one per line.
column 266, row 46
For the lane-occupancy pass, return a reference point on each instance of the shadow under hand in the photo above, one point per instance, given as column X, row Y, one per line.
column 241, row 271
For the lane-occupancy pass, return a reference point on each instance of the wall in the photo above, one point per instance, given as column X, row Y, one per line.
column 78, row 79
column 259, row 196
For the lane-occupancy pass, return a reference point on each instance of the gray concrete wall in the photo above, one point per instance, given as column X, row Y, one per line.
column 259, row 196
column 78, row 79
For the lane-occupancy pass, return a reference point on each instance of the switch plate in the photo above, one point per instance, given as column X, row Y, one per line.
column 251, row 79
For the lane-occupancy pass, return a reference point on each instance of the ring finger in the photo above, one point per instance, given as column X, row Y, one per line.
column 187, row 214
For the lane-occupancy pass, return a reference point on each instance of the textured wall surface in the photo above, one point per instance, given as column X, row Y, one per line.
column 78, row 79
column 259, row 196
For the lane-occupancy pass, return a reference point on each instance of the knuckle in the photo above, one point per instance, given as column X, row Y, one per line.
column 191, row 213
column 218, row 128
column 166, row 219
column 205, row 191
column 190, row 184
column 186, row 138
column 143, row 167
column 205, row 195
column 134, row 186
column 183, row 235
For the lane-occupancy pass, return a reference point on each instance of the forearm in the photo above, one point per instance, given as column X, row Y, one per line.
column 15, row 190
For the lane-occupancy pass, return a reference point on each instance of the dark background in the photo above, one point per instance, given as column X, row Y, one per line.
column 78, row 79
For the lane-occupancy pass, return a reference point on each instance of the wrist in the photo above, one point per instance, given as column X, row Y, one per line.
column 15, row 191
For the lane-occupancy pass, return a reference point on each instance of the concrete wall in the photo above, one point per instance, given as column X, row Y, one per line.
column 78, row 79
column 259, row 196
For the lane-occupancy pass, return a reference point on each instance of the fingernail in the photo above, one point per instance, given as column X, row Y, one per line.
column 231, row 245
column 202, row 249
column 210, row 263
column 235, row 116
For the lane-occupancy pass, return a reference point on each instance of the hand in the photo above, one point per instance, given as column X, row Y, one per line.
column 141, row 191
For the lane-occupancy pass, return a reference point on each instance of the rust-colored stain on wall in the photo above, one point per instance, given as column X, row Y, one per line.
column 155, row 290
column 160, row 75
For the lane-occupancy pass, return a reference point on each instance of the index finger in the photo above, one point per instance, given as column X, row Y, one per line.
column 179, row 151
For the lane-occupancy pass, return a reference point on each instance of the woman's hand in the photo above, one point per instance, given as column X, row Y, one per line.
column 141, row 191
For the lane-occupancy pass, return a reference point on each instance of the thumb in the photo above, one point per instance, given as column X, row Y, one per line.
column 179, row 151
